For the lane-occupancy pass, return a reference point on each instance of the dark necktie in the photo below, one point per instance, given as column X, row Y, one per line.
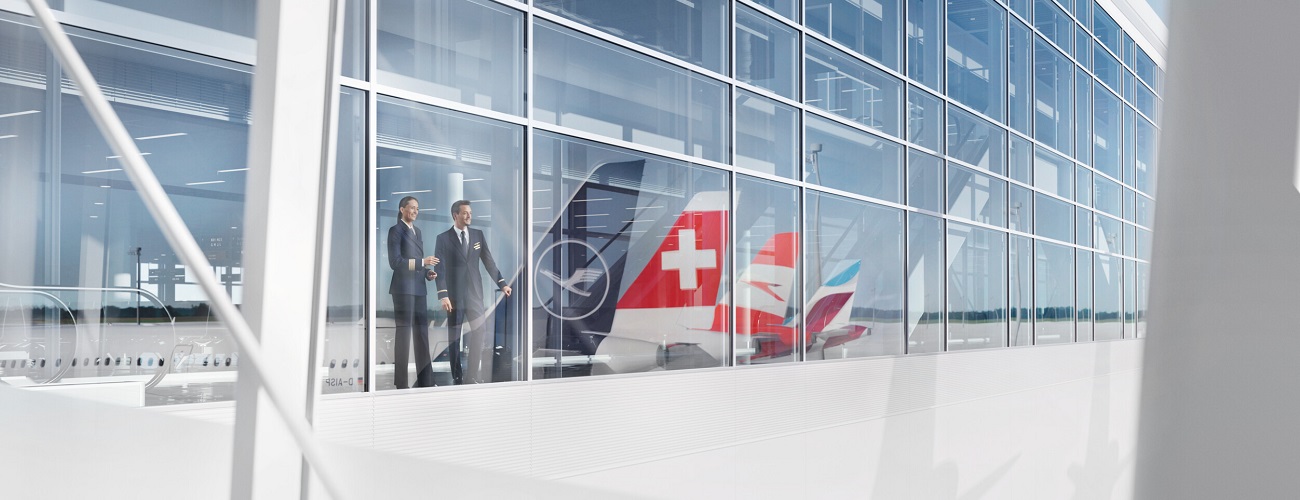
column 464, row 241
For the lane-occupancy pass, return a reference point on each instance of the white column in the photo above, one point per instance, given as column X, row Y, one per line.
column 280, row 233
column 1219, row 406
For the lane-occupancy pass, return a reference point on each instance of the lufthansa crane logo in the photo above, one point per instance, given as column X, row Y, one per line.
column 571, row 292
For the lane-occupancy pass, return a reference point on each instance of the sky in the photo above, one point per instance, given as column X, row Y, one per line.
column 1161, row 7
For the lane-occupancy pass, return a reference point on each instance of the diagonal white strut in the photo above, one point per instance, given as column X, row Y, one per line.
column 175, row 231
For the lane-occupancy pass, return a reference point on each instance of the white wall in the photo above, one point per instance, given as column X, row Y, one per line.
column 1037, row 422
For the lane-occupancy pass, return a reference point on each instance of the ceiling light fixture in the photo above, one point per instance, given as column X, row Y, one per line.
column 28, row 112
column 178, row 134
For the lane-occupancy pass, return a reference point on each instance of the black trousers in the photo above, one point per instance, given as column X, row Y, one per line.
column 412, row 313
column 465, row 325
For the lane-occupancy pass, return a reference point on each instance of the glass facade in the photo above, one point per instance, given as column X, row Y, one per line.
column 662, row 185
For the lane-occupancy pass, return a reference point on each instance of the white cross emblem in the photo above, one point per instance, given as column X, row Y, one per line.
column 687, row 260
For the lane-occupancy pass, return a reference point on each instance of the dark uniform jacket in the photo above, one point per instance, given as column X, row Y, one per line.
column 459, row 277
column 405, row 245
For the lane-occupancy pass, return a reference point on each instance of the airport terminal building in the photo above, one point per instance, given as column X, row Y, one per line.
column 930, row 221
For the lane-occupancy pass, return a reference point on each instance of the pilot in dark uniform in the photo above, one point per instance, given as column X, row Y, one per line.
column 460, row 290
column 409, row 290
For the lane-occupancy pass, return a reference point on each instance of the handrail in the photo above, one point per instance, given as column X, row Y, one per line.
column 163, row 369
column 76, row 332
column 177, row 234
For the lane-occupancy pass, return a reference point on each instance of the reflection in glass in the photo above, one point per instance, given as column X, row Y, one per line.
column 1107, row 293
column 975, row 196
column 1130, row 205
column 1053, row 97
column 73, row 219
column 1145, row 211
column 924, row 181
column 925, row 281
column 1146, row 68
column 695, row 32
column 925, row 41
column 838, row 83
column 1146, row 102
column 345, row 329
column 1130, row 132
column 1107, row 116
column 767, row 254
column 467, row 51
column 630, row 257
column 841, row 157
column 766, row 52
column 1130, row 240
column 1019, row 77
column 854, row 289
column 1107, row 69
column 1020, row 209
column 976, row 74
column 1146, row 157
column 1083, row 294
column 1143, row 289
column 1020, row 310
column 976, row 141
column 872, row 29
column 1082, row 11
column 977, row 277
column 1106, row 29
column 1108, row 235
column 1054, row 218
column 593, row 86
column 219, row 27
column 767, row 134
column 439, row 157
column 1083, row 48
column 924, row 119
column 787, row 8
column 1053, row 293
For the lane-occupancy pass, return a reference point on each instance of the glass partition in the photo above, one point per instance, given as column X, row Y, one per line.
column 925, row 283
column 873, row 29
column 767, row 323
column 976, row 69
column 842, row 157
column 977, row 287
column 429, row 159
column 695, row 32
column 839, row 83
column 345, row 310
column 1053, row 293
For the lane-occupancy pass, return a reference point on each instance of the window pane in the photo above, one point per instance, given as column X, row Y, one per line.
column 1053, row 97
column 1106, row 29
column 1020, row 310
column 976, row 76
column 924, row 181
column 439, row 157
column 216, row 27
column 1083, row 47
column 1083, row 228
column 1021, row 162
column 1083, row 12
column 924, row 119
column 1107, row 68
column 1083, row 186
column 767, row 248
column 975, row 196
column 1146, row 156
column 854, row 263
column 1053, row 174
column 1052, row 22
column 872, row 28
column 1146, row 68
column 1053, row 293
column 1143, row 290
column 1130, row 299
column 1108, row 196
column 1019, row 70
column 925, row 41
column 645, row 239
column 74, row 219
column 925, row 272
column 1108, row 235
column 1145, row 211
column 1020, row 209
column 1083, row 116
column 1143, row 244
column 1146, row 102
column 595, row 87
column 695, row 32
column 1107, row 113
column 1020, row 7
column 1128, row 50
column 976, row 141
column 1107, row 293
column 766, row 52
column 977, row 296
column 767, row 134
column 838, row 83
column 1130, row 240
column 1130, row 133
column 1053, row 218
column 1083, row 295
column 345, row 313
column 844, row 158
column 354, row 39
column 475, row 60
column 1130, row 205
column 787, row 8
